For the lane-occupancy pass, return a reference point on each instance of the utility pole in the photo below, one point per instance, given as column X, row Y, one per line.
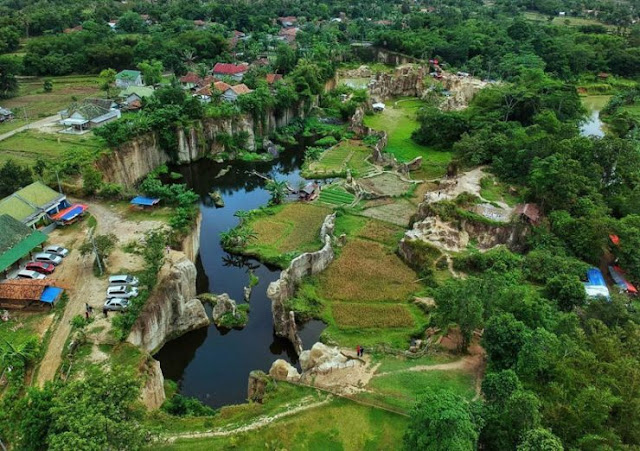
column 59, row 185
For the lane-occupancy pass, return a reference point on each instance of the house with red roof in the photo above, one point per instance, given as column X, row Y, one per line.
column 288, row 34
column 288, row 21
column 234, row 71
column 190, row 80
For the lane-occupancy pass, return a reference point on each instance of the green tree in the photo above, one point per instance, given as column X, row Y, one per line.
column 567, row 291
column 540, row 439
column 151, row 72
column 13, row 177
column 8, row 81
column 107, row 79
column 286, row 59
column 104, row 244
column 131, row 22
column 47, row 85
column 441, row 421
column 91, row 180
column 459, row 302
column 503, row 338
column 278, row 191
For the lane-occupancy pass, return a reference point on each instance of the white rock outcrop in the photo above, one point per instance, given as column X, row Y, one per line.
column 321, row 357
column 282, row 370
column 172, row 309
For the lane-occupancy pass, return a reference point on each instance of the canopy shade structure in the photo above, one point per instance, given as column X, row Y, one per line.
column 70, row 213
column 144, row 201
column 51, row 294
column 621, row 282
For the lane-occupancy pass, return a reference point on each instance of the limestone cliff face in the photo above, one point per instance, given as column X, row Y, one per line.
column 129, row 163
column 152, row 394
column 405, row 81
column 191, row 243
column 132, row 161
column 172, row 309
column 281, row 290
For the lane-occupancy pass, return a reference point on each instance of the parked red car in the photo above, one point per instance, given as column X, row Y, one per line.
column 41, row 267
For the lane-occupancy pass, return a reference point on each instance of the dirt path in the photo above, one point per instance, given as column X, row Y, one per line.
column 39, row 124
column 257, row 424
column 76, row 275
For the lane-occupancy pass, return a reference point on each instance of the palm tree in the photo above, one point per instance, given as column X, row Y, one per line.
column 18, row 356
column 278, row 190
column 188, row 57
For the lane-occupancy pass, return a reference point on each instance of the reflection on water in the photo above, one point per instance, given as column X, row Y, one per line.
column 593, row 126
column 210, row 364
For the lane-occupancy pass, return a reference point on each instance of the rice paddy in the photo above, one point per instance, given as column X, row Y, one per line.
column 336, row 196
column 348, row 154
column 367, row 316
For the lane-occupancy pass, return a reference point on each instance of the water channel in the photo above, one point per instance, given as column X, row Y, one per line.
column 210, row 364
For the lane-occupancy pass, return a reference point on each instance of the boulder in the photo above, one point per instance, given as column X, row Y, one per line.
column 415, row 164
column 257, row 387
column 321, row 357
column 247, row 293
column 222, row 304
column 281, row 370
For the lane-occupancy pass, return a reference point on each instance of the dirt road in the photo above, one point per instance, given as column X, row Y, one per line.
column 39, row 124
column 76, row 274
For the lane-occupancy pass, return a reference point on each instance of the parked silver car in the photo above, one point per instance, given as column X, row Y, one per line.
column 48, row 258
column 32, row 275
column 124, row 279
column 122, row 292
column 116, row 304
column 57, row 250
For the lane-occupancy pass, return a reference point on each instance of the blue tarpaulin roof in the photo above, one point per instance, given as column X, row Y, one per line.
column 144, row 201
column 595, row 277
column 50, row 294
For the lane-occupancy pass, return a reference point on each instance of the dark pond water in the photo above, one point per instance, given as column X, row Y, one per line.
column 210, row 364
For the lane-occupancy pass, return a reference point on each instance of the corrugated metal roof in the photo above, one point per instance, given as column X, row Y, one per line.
column 23, row 290
column 16, row 241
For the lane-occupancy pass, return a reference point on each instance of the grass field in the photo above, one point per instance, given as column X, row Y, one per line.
column 363, row 295
column 494, row 191
column 25, row 147
column 290, row 230
column 348, row 154
column 36, row 103
column 336, row 196
column 399, row 121
column 402, row 389
column 367, row 271
column 339, row 425
column 568, row 21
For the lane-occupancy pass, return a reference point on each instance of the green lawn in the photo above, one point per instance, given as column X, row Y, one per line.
column 8, row 126
column 26, row 146
column 401, row 390
column 286, row 231
column 399, row 121
column 339, row 425
column 568, row 21
column 495, row 191
column 36, row 103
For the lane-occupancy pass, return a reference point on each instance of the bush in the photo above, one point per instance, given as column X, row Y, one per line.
column 183, row 406
column 327, row 141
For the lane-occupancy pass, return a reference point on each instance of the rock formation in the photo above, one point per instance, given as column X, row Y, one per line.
column 281, row 290
column 281, row 370
column 406, row 81
column 152, row 394
column 172, row 308
column 321, row 357
column 257, row 386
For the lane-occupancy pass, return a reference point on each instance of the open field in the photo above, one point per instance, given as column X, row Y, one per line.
column 367, row 271
column 291, row 229
column 494, row 191
column 399, row 121
column 568, row 21
column 385, row 184
column 368, row 316
column 338, row 425
column 402, row 389
column 348, row 154
column 395, row 211
column 27, row 146
column 36, row 103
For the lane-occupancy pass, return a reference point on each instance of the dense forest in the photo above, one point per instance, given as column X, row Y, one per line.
column 562, row 372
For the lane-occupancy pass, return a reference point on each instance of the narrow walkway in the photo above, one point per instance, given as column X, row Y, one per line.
column 36, row 124
column 257, row 424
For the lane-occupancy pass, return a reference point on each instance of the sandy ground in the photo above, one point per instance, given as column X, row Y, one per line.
column 76, row 275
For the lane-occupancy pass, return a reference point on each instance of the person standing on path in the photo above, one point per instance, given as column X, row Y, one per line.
column 358, row 350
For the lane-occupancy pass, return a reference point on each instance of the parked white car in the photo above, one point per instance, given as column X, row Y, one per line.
column 124, row 279
column 27, row 274
column 122, row 292
column 116, row 304
column 48, row 258
column 57, row 250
